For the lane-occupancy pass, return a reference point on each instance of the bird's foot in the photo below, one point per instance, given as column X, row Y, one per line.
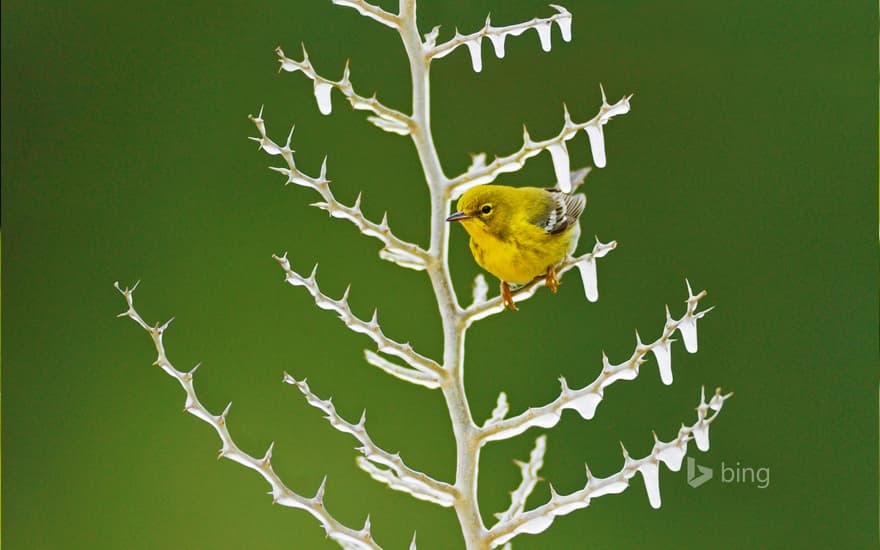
column 507, row 297
column 551, row 281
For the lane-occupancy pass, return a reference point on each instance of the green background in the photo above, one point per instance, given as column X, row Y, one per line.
column 748, row 164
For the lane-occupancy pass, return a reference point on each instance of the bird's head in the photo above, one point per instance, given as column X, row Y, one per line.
column 486, row 208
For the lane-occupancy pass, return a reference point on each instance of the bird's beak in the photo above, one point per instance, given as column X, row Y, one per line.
column 457, row 217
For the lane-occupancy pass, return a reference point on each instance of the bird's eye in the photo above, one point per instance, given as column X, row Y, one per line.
column 486, row 209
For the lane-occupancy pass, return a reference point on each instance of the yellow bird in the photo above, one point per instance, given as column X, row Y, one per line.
column 520, row 233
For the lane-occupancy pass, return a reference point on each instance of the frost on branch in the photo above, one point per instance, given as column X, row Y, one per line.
column 395, row 250
column 385, row 118
column 373, row 12
column 586, row 399
column 497, row 35
column 500, row 410
column 427, row 367
column 344, row 536
column 669, row 453
column 483, row 173
column 529, row 471
column 413, row 376
column 415, row 368
column 586, row 264
column 480, row 290
column 382, row 466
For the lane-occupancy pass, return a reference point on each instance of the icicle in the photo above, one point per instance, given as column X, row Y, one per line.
column 663, row 353
column 672, row 457
column 565, row 27
column 595, row 132
column 498, row 44
column 651, row 477
column 597, row 144
column 322, row 94
column 589, row 278
column 701, row 435
column 544, row 35
column 475, row 47
column 586, row 405
column 561, row 165
column 688, row 329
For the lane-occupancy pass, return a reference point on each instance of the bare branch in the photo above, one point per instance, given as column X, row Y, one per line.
column 344, row 536
column 586, row 264
column 671, row 454
column 371, row 328
column 586, row 399
column 386, row 118
column 529, row 471
column 478, row 175
column 396, row 250
column 373, row 12
column 497, row 36
column 380, row 464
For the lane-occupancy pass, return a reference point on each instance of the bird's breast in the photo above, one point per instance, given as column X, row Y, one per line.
column 518, row 260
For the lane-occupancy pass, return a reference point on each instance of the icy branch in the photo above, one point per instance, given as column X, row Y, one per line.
column 429, row 380
column 344, row 536
column 371, row 328
column 529, row 471
column 386, row 118
column 586, row 264
column 500, row 410
column 480, row 290
column 497, row 35
column 670, row 453
column 396, row 250
column 586, row 399
column 373, row 12
column 380, row 464
column 479, row 174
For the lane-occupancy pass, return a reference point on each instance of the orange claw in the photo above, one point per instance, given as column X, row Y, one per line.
column 551, row 281
column 507, row 297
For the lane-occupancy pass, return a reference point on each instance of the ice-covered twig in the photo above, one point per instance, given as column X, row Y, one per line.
column 497, row 36
column 281, row 494
column 585, row 263
column 671, row 454
column 373, row 12
column 586, row 399
column 371, row 328
column 529, row 471
column 386, row 118
column 500, row 410
column 480, row 290
column 396, row 250
column 380, row 464
column 478, row 175
column 430, row 380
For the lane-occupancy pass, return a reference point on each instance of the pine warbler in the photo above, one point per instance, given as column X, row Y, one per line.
column 518, row 234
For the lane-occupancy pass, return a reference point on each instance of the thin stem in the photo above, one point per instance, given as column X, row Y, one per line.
column 464, row 428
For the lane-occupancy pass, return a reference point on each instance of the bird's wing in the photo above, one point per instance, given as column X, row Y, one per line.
column 562, row 211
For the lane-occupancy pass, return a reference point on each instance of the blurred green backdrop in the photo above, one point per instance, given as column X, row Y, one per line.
column 748, row 164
